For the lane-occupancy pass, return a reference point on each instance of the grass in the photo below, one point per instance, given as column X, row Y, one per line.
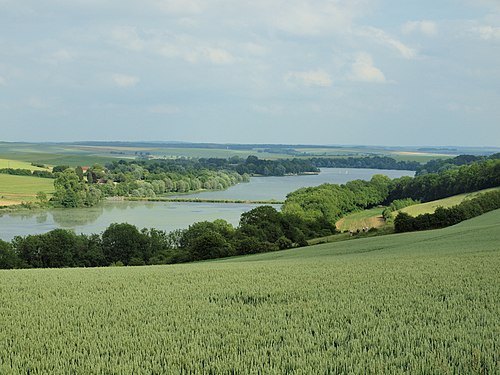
column 371, row 218
column 430, row 207
column 16, row 164
column 425, row 302
column 17, row 189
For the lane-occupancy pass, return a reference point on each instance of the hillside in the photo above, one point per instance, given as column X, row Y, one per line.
column 430, row 207
column 421, row 302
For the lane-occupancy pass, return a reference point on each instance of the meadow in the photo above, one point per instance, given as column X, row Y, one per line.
column 371, row 218
column 17, row 189
column 430, row 207
column 424, row 302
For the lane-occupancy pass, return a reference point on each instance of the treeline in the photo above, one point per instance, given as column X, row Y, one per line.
column 262, row 229
column 371, row 162
column 27, row 172
column 433, row 186
column 441, row 165
column 444, row 217
column 329, row 202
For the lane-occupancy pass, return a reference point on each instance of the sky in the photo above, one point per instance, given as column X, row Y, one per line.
column 372, row 72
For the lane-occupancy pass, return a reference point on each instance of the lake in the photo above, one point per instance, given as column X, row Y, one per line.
column 175, row 215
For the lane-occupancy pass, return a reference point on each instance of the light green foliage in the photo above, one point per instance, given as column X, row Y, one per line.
column 426, row 302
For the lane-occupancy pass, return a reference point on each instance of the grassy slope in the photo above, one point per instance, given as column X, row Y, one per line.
column 371, row 218
column 424, row 302
column 430, row 207
column 16, row 164
column 17, row 189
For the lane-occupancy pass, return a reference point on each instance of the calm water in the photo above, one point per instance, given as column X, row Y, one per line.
column 263, row 188
column 173, row 215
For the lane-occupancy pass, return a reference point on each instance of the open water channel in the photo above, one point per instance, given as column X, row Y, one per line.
column 176, row 215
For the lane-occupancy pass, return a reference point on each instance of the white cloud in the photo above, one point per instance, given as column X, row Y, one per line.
column 218, row 56
column 123, row 80
column 428, row 28
column 487, row 32
column 382, row 37
column 2, row 81
column 304, row 18
column 127, row 37
column 318, row 78
column 363, row 70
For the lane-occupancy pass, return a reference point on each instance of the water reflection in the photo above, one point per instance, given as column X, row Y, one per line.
column 71, row 218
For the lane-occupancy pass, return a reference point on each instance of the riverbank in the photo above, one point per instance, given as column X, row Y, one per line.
column 201, row 200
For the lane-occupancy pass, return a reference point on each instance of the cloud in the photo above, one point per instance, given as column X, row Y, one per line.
column 382, row 37
column 363, row 70
column 428, row 28
column 127, row 37
column 123, row 80
column 2, row 81
column 311, row 78
column 302, row 18
column 487, row 32
column 218, row 56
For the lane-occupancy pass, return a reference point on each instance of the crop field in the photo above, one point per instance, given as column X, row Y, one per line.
column 425, row 302
column 430, row 207
column 371, row 218
column 16, row 164
column 17, row 189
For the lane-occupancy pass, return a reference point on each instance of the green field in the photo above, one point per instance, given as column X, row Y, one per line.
column 371, row 218
column 17, row 189
column 416, row 303
column 16, row 164
column 430, row 207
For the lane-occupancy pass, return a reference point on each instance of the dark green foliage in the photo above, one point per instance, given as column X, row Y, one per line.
column 441, row 165
column 444, row 217
column 27, row 172
column 373, row 162
column 123, row 242
column 433, row 186
column 8, row 258
column 60, row 168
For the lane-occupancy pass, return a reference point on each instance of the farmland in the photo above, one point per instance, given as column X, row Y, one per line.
column 426, row 302
column 17, row 189
column 430, row 207
column 371, row 218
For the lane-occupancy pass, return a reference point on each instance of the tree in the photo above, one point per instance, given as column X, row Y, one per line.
column 8, row 258
column 122, row 242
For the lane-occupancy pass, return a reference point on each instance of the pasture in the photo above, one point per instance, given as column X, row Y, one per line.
column 430, row 207
column 371, row 218
column 18, row 189
column 425, row 302
column 16, row 164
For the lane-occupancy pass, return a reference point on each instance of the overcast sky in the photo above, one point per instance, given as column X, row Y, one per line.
column 386, row 72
